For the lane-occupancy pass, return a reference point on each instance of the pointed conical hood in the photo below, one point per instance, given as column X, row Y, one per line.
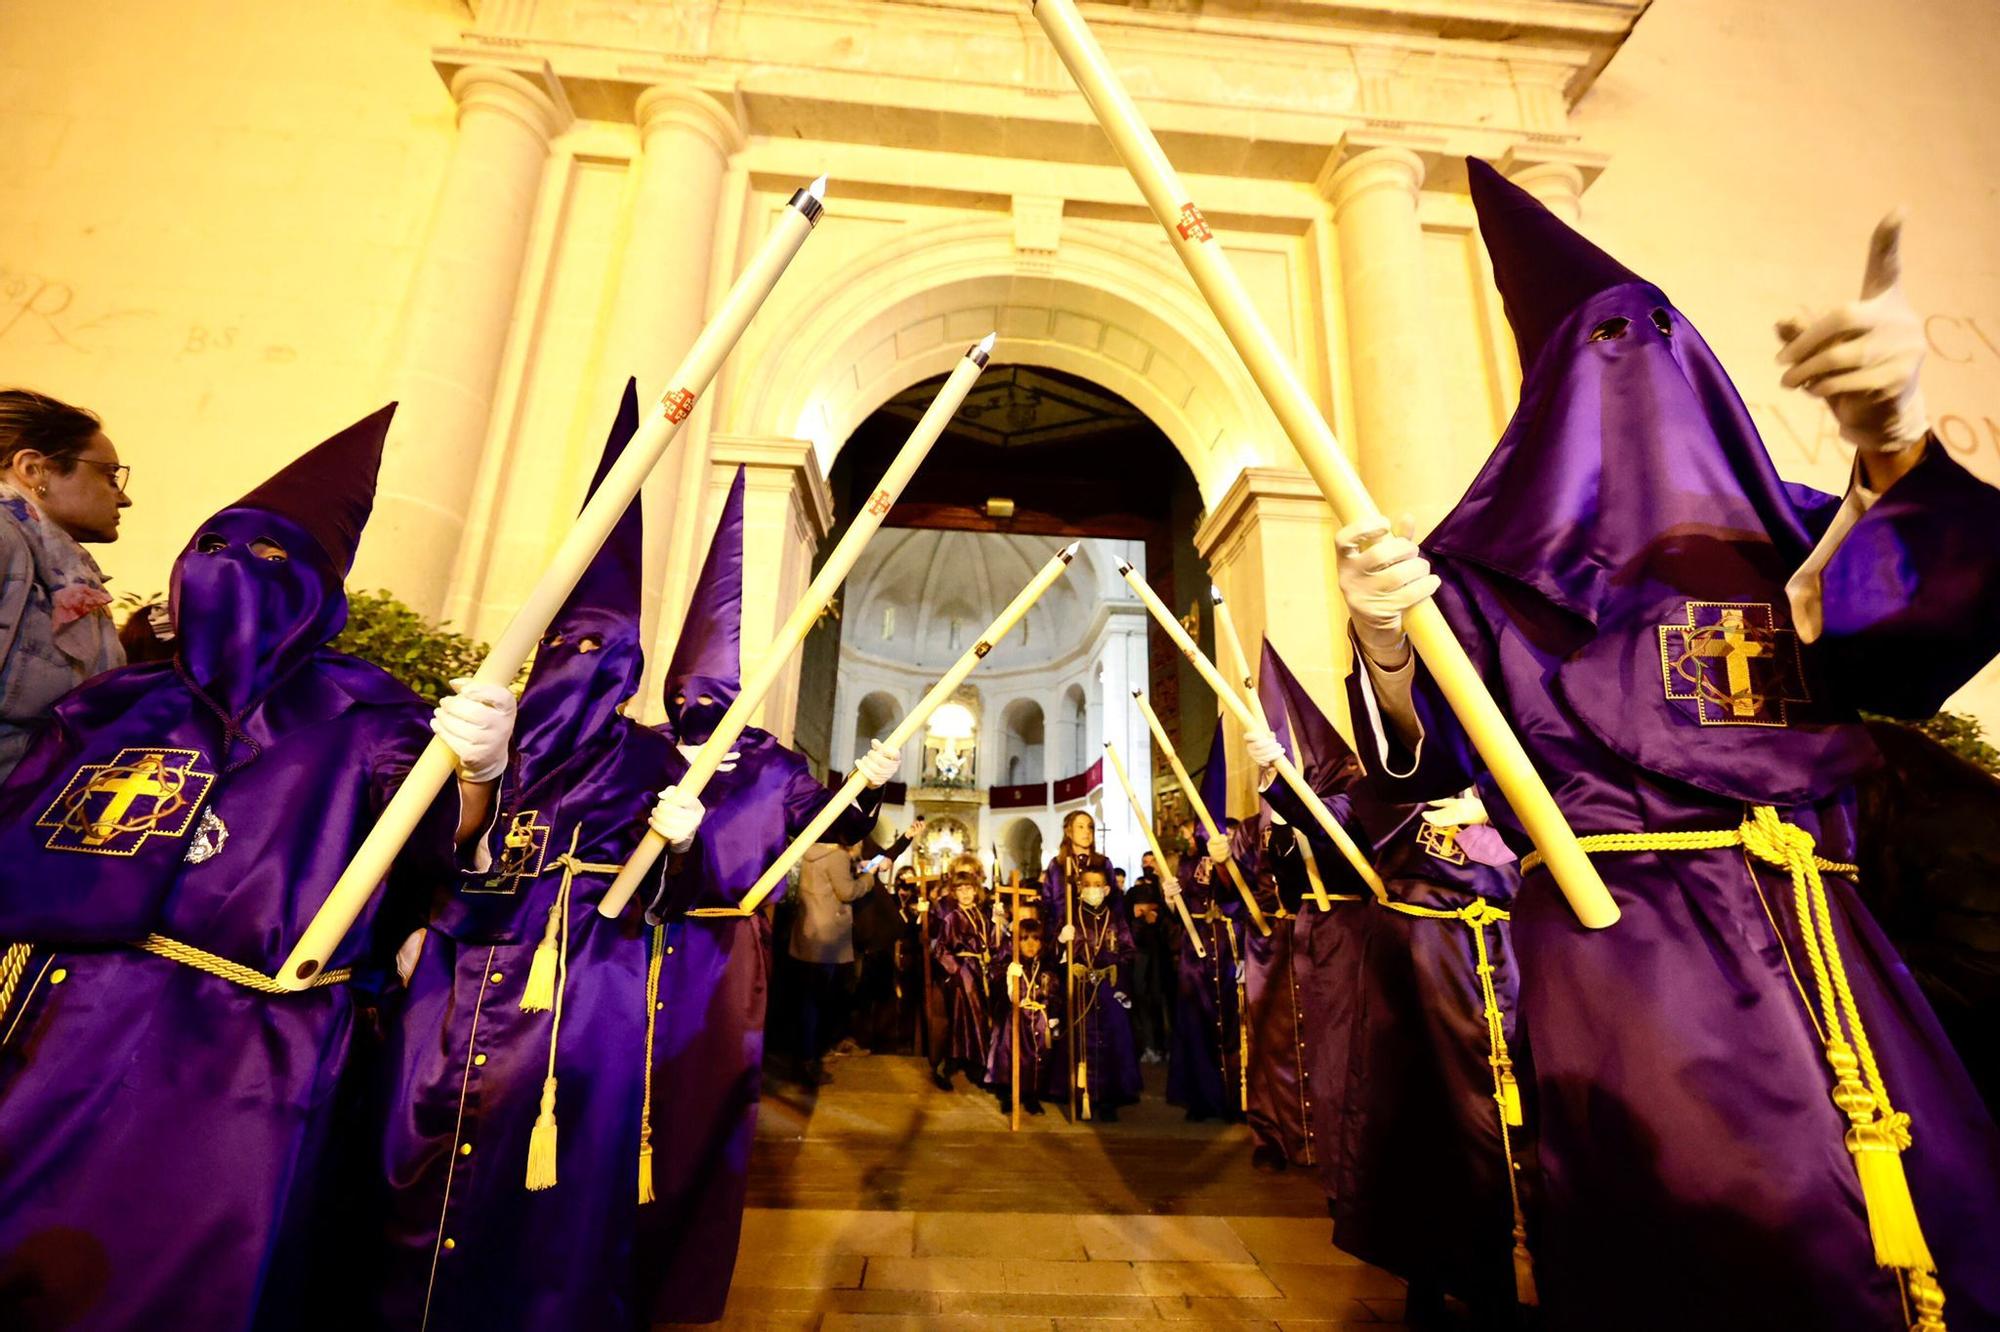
column 1543, row 267
column 330, row 490
column 591, row 658
column 1215, row 778
column 708, row 659
column 613, row 582
column 1632, row 494
column 1307, row 734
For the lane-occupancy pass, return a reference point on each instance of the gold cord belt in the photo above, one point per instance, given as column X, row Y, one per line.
column 159, row 945
column 1877, row 1133
column 1476, row 916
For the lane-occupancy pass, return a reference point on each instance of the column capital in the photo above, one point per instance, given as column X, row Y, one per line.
column 714, row 114
column 1255, row 491
column 1375, row 159
column 538, row 103
column 1555, row 174
column 779, row 462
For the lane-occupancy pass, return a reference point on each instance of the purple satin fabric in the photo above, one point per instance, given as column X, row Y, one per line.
column 1039, row 1053
column 1204, row 1049
column 168, row 1131
column 708, row 1045
column 467, row 1066
column 1718, row 1153
column 1422, row 1188
column 964, row 982
column 1104, row 1041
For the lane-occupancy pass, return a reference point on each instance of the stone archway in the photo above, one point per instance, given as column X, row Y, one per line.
column 1102, row 306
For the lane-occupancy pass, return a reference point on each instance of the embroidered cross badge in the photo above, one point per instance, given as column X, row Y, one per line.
column 522, row 854
column 677, row 403
column 1733, row 663
column 110, row 809
column 1193, row 226
column 1441, row 840
column 879, row 503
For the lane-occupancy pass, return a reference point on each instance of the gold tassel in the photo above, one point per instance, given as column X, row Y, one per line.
column 1885, row 1189
column 645, row 1173
column 1083, row 1084
column 1878, row 1159
column 1525, row 1293
column 540, row 994
column 542, row 1142
column 1510, row 1097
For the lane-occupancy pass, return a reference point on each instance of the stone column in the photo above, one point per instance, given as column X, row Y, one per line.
column 687, row 136
column 1374, row 191
column 787, row 511
column 455, row 328
column 1269, row 547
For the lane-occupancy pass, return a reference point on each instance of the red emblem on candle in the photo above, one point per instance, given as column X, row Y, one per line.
column 879, row 504
column 1193, row 226
column 677, row 403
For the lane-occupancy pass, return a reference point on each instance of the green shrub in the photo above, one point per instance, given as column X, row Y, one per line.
column 1962, row 735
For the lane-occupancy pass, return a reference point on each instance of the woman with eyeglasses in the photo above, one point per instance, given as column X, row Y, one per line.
column 61, row 484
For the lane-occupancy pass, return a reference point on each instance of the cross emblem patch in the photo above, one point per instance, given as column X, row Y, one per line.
column 522, row 853
column 1193, row 226
column 677, row 403
column 1441, row 840
column 880, row 502
column 1733, row 663
column 110, row 809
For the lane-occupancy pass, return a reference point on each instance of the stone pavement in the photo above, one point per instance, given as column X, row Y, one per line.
column 880, row 1202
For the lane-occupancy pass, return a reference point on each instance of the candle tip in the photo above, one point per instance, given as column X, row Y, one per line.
column 1124, row 566
column 818, row 188
column 1214, row 595
column 1138, row 693
column 1068, row 553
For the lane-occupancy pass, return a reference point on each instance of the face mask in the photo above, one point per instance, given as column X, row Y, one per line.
column 245, row 621
column 694, row 721
column 1093, row 894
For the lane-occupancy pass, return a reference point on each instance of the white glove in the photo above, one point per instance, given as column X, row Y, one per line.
column 999, row 917
column 1862, row 357
column 1264, row 747
column 1218, row 849
column 476, row 723
column 923, row 903
column 676, row 817
column 1460, row 811
column 1067, row 933
column 1239, row 973
column 1382, row 574
column 878, row 766
column 1124, row 1000
column 407, row 955
column 728, row 763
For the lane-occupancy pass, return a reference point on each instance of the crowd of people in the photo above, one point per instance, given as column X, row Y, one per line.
column 497, row 1106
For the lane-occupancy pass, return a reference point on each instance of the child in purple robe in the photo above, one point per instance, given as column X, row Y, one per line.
column 964, row 941
column 1100, row 952
column 1205, row 1065
column 528, row 1012
column 172, row 1156
column 712, row 960
column 1738, row 1084
column 1031, row 987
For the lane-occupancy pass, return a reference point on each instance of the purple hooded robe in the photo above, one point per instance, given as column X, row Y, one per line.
column 467, row 1063
column 708, row 1040
column 964, row 945
column 168, row 1135
column 1618, row 573
column 1205, row 1067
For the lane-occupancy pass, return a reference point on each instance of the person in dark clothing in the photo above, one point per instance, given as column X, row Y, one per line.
column 1153, row 968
